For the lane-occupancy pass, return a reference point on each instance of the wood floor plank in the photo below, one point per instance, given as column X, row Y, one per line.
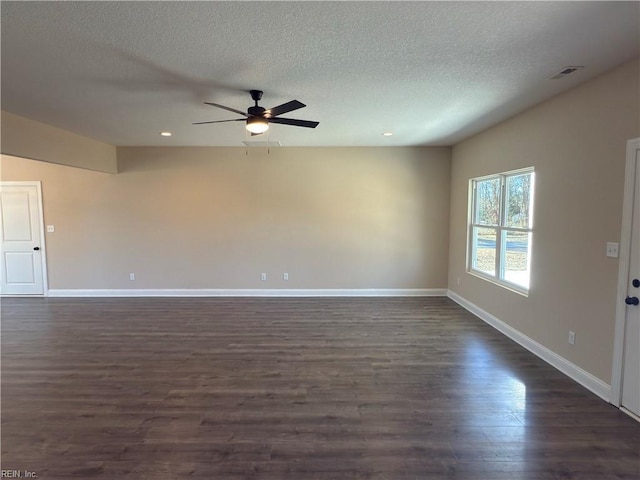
column 292, row 388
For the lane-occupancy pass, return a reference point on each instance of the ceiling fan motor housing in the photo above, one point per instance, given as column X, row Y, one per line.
column 256, row 111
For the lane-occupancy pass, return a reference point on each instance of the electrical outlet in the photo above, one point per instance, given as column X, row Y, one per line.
column 285, row 276
column 51, row 228
column 132, row 276
column 612, row 249
column 263, row 277
column 572, row 338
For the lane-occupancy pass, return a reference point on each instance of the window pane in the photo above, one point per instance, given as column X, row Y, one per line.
column 516, row 253
column 518, row 201
column 487, row 202
column 484, row 250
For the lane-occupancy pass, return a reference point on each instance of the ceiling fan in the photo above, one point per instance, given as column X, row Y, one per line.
column 258, row 118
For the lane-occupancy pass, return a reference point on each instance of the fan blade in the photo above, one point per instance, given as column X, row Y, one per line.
column 294, row 122
column 284, row 108
column 220, row 121
column 227, row 108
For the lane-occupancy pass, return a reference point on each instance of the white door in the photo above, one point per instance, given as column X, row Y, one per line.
column 22, row 248
column 631, row 360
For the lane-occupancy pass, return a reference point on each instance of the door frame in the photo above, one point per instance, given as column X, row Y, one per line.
column 43, row 248
column 623, row 271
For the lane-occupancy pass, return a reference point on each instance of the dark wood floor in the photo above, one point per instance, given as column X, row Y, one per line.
column 335, row 389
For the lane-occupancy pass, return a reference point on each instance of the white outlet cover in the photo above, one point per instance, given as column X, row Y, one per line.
column 51, row 228
column 612, row 249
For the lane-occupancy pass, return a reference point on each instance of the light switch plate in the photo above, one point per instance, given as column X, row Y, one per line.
column 612, row 249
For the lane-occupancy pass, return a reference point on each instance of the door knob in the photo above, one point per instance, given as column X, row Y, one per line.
column 36, row 248
column 631, row 301
column 635, row 282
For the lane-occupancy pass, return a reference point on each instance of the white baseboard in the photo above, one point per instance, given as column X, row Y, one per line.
column 248, row 292
column 570, row 369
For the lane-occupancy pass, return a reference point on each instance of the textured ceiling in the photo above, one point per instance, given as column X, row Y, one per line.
column 431, row 72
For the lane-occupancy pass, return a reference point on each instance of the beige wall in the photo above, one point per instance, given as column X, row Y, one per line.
column 26, row 138
column 576, row 142
column 189, row 218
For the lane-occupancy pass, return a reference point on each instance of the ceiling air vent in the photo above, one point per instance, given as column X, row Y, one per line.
column 564, row 72
column 256, row 143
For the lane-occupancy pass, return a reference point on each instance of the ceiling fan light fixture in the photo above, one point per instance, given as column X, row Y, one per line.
column 257, row 125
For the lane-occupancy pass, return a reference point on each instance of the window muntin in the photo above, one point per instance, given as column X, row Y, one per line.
column 500, row 235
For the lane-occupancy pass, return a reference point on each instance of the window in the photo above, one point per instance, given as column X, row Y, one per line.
column 501, row 228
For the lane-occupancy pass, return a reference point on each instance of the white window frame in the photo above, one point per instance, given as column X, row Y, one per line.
column 499, row 278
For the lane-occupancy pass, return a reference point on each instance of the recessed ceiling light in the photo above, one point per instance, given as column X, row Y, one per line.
column 165, row 134
column 387, row 134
